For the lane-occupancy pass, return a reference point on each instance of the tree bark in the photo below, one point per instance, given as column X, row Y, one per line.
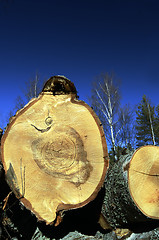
column 54, row 152
column 131, row 197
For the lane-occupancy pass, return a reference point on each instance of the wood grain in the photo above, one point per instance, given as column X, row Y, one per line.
column 54, row 154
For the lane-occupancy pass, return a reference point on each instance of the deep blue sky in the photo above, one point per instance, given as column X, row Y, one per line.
column 79, row 39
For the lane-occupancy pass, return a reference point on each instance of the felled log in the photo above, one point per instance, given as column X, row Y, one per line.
column 131, row 185
column 54, row 152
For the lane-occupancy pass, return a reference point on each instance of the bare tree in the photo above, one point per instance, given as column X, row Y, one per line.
column 32, row 88
column 2, row 121
column 105, row 100
column 151, row 124
column 19, row 103
column 126, row 137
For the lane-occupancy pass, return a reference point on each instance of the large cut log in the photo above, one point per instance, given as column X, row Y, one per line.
column 131, row 190
column 54, row 152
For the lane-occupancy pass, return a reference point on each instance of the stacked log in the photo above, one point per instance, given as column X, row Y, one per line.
column 131, row 186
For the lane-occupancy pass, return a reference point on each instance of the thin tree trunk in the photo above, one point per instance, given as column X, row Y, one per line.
column 113, row 141
column 151, row 124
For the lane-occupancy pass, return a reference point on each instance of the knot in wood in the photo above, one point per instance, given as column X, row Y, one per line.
column 59, row 85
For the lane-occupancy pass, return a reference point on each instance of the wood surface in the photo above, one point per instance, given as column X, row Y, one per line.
column 54, row 152
column 143, row 179
column 128, row 187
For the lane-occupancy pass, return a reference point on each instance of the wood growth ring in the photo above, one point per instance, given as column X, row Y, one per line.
column 54, row 153
column 62, row 155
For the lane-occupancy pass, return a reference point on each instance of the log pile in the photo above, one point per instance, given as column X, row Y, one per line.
column 54, row 158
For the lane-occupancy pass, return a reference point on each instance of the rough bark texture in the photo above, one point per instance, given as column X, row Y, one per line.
column 54, row 152
column 119, row 208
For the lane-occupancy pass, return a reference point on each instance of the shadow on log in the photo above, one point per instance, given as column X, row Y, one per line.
column 21, row 223
column 83, row 220
column 15, row 220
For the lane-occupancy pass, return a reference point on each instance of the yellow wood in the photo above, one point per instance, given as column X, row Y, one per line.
column 54, row 154
column 144, row 180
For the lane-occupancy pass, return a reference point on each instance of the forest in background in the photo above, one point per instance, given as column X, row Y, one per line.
column 125, row 130
column 125, row 127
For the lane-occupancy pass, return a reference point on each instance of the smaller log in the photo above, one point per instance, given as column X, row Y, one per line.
column 130, row 185
column 143, row 180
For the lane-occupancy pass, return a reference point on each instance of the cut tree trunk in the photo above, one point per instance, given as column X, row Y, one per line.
column 54, row 152
column 143, row 179
column 131, row 185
